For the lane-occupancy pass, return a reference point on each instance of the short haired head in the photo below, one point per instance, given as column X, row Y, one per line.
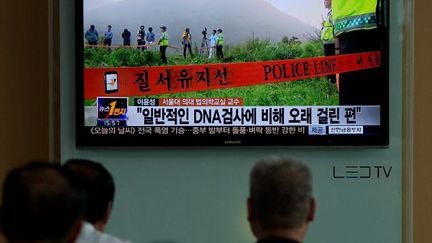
column 327, row 4
column 187, row 29
column 219, row 30
column 40, row 204
column 150, row 29
column 97, row 186
column 280, row 194
column 92, row 27
column 109, row 26
column 214, row 31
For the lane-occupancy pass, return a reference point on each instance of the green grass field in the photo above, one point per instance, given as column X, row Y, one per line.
column 303, row 92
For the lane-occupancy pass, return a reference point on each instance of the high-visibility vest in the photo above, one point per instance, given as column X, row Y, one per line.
column 327, row 34
column 220, row 40
column 164, row 39
column 350, row 15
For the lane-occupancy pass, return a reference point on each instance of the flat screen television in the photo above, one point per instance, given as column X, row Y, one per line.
column 232, row 72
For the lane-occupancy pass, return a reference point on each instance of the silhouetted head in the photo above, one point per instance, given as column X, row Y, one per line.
column 280, row 198
column 98, row 188
column 40, row 204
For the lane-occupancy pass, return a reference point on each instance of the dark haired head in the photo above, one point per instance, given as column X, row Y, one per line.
column 97, row 185
column 150, row 29
column 92, row 26
column 39, row 204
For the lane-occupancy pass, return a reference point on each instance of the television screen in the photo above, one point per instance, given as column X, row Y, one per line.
column 232, row 72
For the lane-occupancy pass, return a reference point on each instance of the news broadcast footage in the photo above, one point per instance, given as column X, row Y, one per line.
column 232, row 72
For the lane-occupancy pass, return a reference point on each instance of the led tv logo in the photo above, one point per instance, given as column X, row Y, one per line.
column 362, row 172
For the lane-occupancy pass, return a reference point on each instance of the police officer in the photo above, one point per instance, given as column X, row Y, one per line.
column 219, row 44
column 327, row 36
column 163, row 43
column 358, row 29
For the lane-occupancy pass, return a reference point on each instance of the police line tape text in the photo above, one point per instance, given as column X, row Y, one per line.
column 300, row 69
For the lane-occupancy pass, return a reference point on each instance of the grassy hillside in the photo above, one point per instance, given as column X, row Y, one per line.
column 304, row 92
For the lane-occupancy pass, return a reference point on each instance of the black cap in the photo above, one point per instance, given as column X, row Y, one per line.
column 163, row 27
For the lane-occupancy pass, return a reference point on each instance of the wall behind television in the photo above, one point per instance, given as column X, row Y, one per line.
column 22, row 84
column 198, row 195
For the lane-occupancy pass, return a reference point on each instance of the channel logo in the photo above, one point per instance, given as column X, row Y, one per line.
column 112, row 108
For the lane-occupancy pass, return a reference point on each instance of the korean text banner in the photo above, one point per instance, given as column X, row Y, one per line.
column 139, row 81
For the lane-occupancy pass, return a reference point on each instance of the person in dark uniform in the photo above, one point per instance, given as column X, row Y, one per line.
column 92, row 36
column 356, row 27
column 126, row 35
column 141, row 38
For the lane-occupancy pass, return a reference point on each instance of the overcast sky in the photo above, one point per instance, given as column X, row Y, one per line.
column 308, row 11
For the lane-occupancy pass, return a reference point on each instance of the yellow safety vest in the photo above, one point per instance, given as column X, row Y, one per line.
column 350, row 15
column 327, row 34
column 164, row 39
column 220, row 40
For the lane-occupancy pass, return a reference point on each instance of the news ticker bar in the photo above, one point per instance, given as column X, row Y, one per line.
column 116, row 111
column 237, row 131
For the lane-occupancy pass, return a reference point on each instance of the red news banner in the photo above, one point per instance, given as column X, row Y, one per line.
column 143, row 81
